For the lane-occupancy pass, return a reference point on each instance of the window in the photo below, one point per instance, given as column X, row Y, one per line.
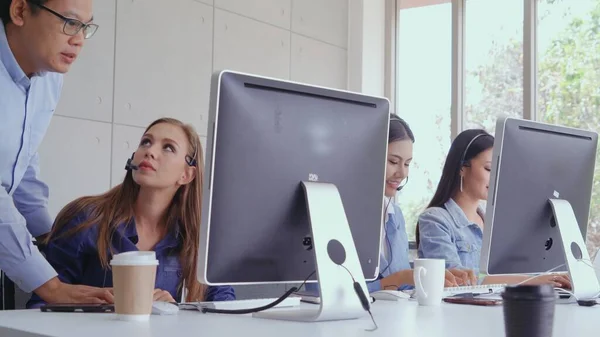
column 423, row 98
column 569, row 77
column 493, row 61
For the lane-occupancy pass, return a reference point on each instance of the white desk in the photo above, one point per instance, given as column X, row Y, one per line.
column 403, row 319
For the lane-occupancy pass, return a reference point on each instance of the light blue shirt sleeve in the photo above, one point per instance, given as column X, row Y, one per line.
column 31, row 199
column 26, row 108
column 374, row 286
column 20, row 259
column 435, row 240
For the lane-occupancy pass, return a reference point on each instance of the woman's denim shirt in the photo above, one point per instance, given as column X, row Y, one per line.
column 446, row 233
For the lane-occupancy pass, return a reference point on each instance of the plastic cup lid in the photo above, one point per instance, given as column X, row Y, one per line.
column 529, row 291
column 136, row 258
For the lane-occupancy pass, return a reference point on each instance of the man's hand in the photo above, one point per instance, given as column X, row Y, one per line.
column 163, row 296
column 55, row 291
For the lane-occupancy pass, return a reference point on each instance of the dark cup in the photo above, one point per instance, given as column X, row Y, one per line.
column 529, row 310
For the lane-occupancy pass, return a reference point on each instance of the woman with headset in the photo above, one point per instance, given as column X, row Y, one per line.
column 396, row 272
column 156, row 208
column 451, row 227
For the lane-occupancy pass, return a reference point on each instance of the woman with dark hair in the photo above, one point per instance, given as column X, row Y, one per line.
column 396, row 272
column 451, row 227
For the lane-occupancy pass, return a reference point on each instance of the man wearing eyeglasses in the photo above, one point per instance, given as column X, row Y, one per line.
column 39, row 40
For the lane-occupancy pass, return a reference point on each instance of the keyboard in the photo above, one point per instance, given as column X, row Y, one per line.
column 241, row 304
column 478, row 289
column 491, row 289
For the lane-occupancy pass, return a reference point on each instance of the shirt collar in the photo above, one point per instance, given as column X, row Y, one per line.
column 10, row 62
column 389, row 203
column 169, row 241
column 389, row 212
column 457, row 214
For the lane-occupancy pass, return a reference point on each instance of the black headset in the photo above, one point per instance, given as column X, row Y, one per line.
column 464, row 155
column 190, row 160
column 402, row 186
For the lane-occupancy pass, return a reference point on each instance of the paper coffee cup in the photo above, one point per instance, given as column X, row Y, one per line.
column 134, row 274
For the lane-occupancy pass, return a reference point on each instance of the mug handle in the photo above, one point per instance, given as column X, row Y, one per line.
column 418, row 272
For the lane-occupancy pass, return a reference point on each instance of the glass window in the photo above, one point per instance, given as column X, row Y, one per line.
column 424, row 97
column 569, row 77
column 493, row 62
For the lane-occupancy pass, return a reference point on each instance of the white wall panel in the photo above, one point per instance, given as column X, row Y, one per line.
column 325, row 20
column 247, row 45
column 275, row 12
column 88, row 86
column 125, row 142
column 75, row 160
column 163, row 65
column 318, row 63
column 160, row 65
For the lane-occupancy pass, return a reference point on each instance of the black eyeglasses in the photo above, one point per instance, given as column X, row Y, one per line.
column 72, row 26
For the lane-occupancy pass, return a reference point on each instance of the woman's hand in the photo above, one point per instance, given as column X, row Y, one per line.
column 394, row 281
column 557, row 280
column 163, row 296
column 460, row 277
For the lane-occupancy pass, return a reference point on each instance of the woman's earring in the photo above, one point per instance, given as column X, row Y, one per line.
column 461, row 183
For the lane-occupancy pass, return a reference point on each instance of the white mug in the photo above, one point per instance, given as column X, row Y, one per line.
column 429, row 276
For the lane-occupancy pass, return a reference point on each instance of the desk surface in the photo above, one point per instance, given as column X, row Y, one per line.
column 403, row 318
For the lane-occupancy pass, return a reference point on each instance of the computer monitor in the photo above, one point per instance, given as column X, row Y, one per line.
column 276, row 149
column 539, row 201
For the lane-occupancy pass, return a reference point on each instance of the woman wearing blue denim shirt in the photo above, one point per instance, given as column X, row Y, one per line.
column 395, row 270
column 156, row 208
column 451, row 227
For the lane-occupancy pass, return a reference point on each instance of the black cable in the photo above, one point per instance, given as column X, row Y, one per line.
column 257, row 309
column 362, row 297
column 374, row 323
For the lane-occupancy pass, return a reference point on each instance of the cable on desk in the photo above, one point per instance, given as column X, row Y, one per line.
column 362, row 297
column 257, row 309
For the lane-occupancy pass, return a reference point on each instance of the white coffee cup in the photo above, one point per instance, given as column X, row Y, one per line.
column 134, row 275
column 429, row 276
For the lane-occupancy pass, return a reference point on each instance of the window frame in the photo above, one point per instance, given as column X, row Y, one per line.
column 458, row 60
column 530, row 80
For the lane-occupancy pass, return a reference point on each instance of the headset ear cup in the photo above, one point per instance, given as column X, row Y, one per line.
column 129, row 161
column 190, row 161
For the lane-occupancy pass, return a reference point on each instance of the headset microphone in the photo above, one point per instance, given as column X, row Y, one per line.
column 130, row 165
column 402, row 186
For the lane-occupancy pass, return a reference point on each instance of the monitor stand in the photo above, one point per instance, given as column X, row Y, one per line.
column 583, row 276
column 330, row 233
